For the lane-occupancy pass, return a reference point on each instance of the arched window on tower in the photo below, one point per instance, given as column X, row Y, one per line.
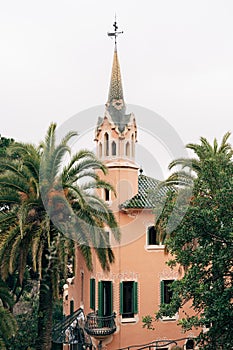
column 113, row 148
column 106, row 195
column 127, row 149
column 132, row 146
column 106, row 144
column 100, row 150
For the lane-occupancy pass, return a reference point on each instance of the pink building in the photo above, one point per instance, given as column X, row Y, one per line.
column 114, row 302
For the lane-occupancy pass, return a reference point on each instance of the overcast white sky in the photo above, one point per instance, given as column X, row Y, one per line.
column 176, row 59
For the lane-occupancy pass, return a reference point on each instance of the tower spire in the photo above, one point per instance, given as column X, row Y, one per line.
column 115, row 90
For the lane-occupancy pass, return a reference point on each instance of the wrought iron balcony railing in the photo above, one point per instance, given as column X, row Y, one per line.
column 100, row 327
column 70, row 330
column 164, row 343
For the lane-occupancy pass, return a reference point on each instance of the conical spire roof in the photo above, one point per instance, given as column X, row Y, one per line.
column 116, row 104
column 115, row 89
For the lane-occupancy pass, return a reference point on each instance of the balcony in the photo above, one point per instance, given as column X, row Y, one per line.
column 70, row 330
column 100, row 327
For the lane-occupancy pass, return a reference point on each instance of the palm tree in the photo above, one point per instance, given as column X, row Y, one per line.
column 49, row 207
column 179, row 185
column 203, row 152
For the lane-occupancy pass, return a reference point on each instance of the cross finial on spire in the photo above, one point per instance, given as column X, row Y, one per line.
column 115, row 33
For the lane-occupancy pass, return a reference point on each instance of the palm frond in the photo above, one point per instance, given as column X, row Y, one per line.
column 86, row 253
column 180, row 178
column 68, row 136
column 225, row 147
column 14, row 183
column 184, row 163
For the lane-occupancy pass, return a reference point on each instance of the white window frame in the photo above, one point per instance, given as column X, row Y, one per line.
column 151, row 247
column 168, row 318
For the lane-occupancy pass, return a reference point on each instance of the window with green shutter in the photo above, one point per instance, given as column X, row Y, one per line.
column 161, row 292
column 128, row 299
column 135, row 297
column 121, row 298
column 165, row 291
column 105, row 298
column 100, row 298
column 92, row 293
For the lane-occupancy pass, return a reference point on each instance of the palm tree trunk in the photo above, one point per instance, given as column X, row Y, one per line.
column 45, row 310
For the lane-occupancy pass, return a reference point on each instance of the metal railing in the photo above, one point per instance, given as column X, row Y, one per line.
column 98, row 326
column 70, row 330
column 156, row 344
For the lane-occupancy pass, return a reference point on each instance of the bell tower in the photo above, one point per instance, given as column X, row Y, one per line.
column 116, row 136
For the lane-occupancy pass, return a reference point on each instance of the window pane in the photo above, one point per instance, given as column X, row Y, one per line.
column 127, row 149
column 113, row 148
column 106, row 144
column 100, row 150
column 167, row 291
column 128, row 300
column 106, row 195
column 152, row 239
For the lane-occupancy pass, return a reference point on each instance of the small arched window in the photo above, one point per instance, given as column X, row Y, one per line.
column 113, row 148
column 100, row 150
column 106, row 144
column 106, row 195
column 152, row 238
column 132, row 145
column 127, row 149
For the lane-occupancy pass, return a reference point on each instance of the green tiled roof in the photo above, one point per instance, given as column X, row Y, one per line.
column 148, row 194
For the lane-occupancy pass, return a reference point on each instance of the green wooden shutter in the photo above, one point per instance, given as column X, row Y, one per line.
column 135, row 297
column 121, row 298
column 92, row 293
column 161, row 292
column 100, row 299
column 111, row 298
column 71, row 307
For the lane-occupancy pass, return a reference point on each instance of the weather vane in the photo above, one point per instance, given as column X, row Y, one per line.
column 115, row 33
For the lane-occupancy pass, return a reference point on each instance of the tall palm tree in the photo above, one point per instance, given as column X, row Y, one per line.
column 49, row 206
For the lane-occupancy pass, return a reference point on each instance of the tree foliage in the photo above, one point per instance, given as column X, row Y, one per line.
column 4, row 144
column 48, row 209
column 202, row 245
column 8, row 324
